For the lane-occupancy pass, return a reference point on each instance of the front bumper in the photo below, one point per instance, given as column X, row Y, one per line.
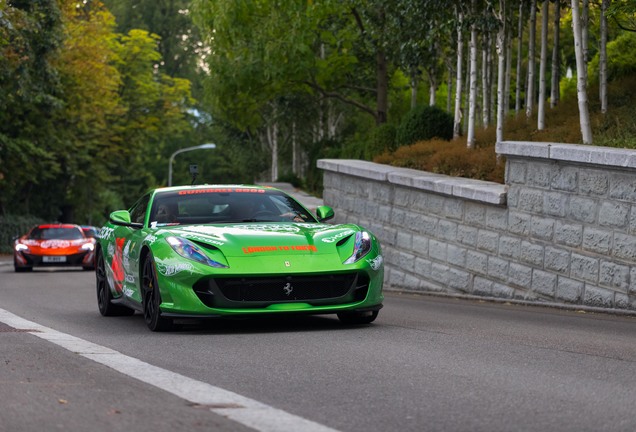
column 26, row 260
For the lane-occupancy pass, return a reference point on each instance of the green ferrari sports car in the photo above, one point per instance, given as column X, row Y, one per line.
column 234, row 251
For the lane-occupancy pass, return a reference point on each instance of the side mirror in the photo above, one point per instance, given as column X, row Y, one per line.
column 324, row 213
column 122, row 218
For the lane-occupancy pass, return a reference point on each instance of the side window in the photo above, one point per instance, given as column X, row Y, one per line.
column 138, row 210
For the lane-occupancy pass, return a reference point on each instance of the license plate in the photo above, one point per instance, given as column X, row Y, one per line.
column 54, row 259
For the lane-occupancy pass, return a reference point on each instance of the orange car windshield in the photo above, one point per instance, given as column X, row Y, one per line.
column 56, row 234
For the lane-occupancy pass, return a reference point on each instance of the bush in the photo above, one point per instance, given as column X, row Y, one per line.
column 12, row 227
column 620, row 58
column 381, row 139
column 424, row 123
column 290, row 178
column 450, row 158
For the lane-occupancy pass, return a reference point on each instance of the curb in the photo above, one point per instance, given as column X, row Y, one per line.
column 551, row 305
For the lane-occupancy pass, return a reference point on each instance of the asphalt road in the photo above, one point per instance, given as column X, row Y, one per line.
column 426, row 364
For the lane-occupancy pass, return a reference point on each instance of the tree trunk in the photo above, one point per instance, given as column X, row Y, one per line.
column 333, row 121
column 382, row 87
column 272, row 142
column 414, row 83
column 531, row 47
column 545, row 11
column 519, row 56
column 501, row 65
column 602, row 64
column 295, row 151
column 485, row 111
column 581, row 90
column 508, row 71
column 449, row 84
column 432, row 87
column 467, row 81
column 585, row 37
column 472, row 102
column 555, row 89
column 458, row 87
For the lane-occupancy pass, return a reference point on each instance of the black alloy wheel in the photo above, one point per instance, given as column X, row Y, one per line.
column 152, row 298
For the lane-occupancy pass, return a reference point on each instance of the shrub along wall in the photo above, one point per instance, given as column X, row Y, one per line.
column 12, row 227
column 562, row 228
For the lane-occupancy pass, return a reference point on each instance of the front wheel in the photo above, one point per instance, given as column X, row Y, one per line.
column 365, row 317
column 104, row 296
column 152, row 298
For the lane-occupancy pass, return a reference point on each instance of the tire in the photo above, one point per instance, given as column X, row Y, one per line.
column 365, row 317
column 19, row 269
column 104, row 296
column 22, row 269
column 152, row 298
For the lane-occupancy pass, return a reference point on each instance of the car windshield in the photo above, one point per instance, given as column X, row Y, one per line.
column 225, row 205
column 56, row 233
column 90, row 231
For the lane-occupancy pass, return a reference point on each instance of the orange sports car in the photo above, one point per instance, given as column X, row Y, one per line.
column 54, row 245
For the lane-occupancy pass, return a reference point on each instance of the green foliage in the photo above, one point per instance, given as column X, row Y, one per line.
column 381, row 139
column 324, row 149
column 30, row 98
column 12, row 226
column 85, row 116
column 621, row 53
column 423, row 123
column 291, row 178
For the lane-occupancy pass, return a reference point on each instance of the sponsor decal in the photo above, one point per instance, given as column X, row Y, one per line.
column 314, row 226
column 105, row 233
column 298, row 248
column 111, row 249
column 202, row 239
column 118, row 264
column 173, row 269
column 55, row 244
column 272, row 227
column 336, row 237
column 128, row 292
column 125, row 253
column 129, row 279
column 376, row 262
column 150, row 239
column 221, row 190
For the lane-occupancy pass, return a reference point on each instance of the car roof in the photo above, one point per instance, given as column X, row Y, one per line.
column 57, row 225
column 216, row 188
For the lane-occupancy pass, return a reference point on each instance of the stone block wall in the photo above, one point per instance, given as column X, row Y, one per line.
column 562, row 229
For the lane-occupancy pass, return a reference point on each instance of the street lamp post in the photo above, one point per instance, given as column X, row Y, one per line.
column 199, row 147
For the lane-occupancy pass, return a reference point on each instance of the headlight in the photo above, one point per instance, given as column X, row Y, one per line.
column 189, row 250
column 88, row 246
column 361, row 247
column 19, row 247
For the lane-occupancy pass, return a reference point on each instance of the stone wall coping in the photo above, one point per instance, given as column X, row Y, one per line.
column 605, row 156
column 476, row 190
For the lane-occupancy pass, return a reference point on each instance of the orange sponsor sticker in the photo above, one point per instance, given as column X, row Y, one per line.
column 298, row 248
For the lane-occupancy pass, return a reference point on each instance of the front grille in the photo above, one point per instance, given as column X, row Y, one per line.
column 265, row 290
column 71, row 260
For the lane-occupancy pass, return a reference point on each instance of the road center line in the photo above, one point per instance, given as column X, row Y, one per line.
column 240, row 409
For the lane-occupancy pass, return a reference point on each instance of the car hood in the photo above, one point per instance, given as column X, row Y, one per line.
column 265, row 238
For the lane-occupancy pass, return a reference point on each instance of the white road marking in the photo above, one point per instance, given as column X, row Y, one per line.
column 240, row 409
